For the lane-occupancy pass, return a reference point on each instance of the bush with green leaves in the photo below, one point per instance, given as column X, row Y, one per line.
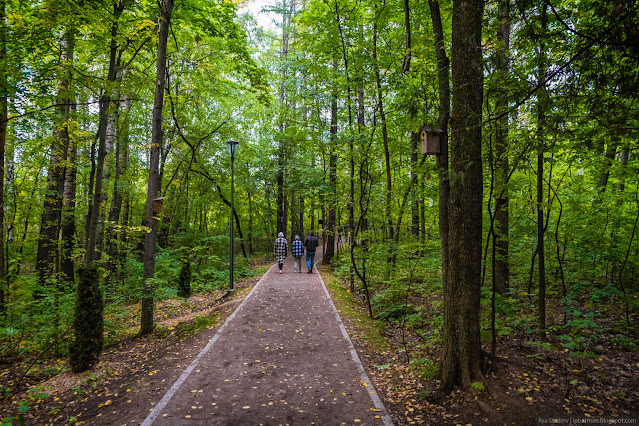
column 88, row 323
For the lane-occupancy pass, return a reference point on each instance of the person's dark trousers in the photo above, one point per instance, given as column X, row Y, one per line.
column 310, row 259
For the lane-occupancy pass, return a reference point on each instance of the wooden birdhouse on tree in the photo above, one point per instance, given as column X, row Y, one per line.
column 158, row 205
column 431, row 139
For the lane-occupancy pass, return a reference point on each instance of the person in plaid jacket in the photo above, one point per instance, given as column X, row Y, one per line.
column 297, row 248
column 281, row 249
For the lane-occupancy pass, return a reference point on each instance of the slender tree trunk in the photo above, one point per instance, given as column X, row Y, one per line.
column 461, row 352
column 250, row 230
column 408, row 53
column 422, row 219
column 332, row 180
column 87, row 218
column 604, row 174
column 154, row 184
column 443, row 79
column 301, row 217
column 4, row 112
column 281, row 225
column 48, row 255
column 105, row 104
column 387, row 162
column 69, row 194
column 110, row 145
column 121, row 163
column 414, row 147
column 541, row 118
column 501, row 243
column 624, row 155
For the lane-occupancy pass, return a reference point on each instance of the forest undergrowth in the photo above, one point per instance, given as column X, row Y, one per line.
column 584, row 366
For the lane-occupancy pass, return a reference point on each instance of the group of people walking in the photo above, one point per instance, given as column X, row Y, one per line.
column 297, row 249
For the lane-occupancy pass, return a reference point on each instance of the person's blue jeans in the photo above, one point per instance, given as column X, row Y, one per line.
column 310, row 259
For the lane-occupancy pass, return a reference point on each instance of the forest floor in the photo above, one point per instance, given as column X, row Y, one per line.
column 527, row 384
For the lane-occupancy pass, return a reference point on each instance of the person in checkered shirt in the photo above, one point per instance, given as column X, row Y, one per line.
column 281, row 249
column 297, row 248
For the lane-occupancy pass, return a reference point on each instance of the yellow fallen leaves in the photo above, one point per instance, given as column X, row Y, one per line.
column 106, row 404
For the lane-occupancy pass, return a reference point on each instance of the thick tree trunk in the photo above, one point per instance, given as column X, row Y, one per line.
column 501, row 227
column 154, row 184
column 461, row 352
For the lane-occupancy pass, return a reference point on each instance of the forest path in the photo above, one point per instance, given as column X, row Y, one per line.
column 283, row 357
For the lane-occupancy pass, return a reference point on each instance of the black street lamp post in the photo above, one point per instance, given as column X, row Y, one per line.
column 232, row 145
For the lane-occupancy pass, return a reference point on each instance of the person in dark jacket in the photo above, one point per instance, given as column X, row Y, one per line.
column 311, row 244
column 281, row 249
column 297, row 248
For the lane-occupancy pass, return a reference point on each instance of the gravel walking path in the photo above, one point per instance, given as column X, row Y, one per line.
column 283, row 357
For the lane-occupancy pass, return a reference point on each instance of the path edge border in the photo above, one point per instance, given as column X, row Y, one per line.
column 377, row 401
column 159, row 407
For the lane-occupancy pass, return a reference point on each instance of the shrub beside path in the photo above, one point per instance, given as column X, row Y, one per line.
column 283, row 357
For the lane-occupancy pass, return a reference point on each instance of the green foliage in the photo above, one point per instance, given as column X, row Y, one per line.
column 582, row 333
column 88, row 323
column 478, row 385
column 34, row 396
column 426, row 368
column 89, row 383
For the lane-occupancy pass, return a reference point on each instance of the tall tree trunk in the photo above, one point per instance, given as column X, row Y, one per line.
column 461, row 352
column 250, row 230
column 281, row 225
column 121, row 163
column 624, row 155
column 69, row 194
column 4, row 113
column 48, row 255
column 604, row 173
column 301, row 218
column 105, row 104
column 165, row 10
column 387, row 162
column 414, row 147
column 407, row 54
column 69, row 191
column 332, row 179
column 502, row 267
column 293, row 216
column 541, row 119
column 443, row 80
column 110, row 144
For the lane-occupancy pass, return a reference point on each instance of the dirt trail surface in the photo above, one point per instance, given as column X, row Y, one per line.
column 283, row 357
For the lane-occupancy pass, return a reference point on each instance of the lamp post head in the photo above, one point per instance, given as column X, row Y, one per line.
column 269, row 185
column 232, row 148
